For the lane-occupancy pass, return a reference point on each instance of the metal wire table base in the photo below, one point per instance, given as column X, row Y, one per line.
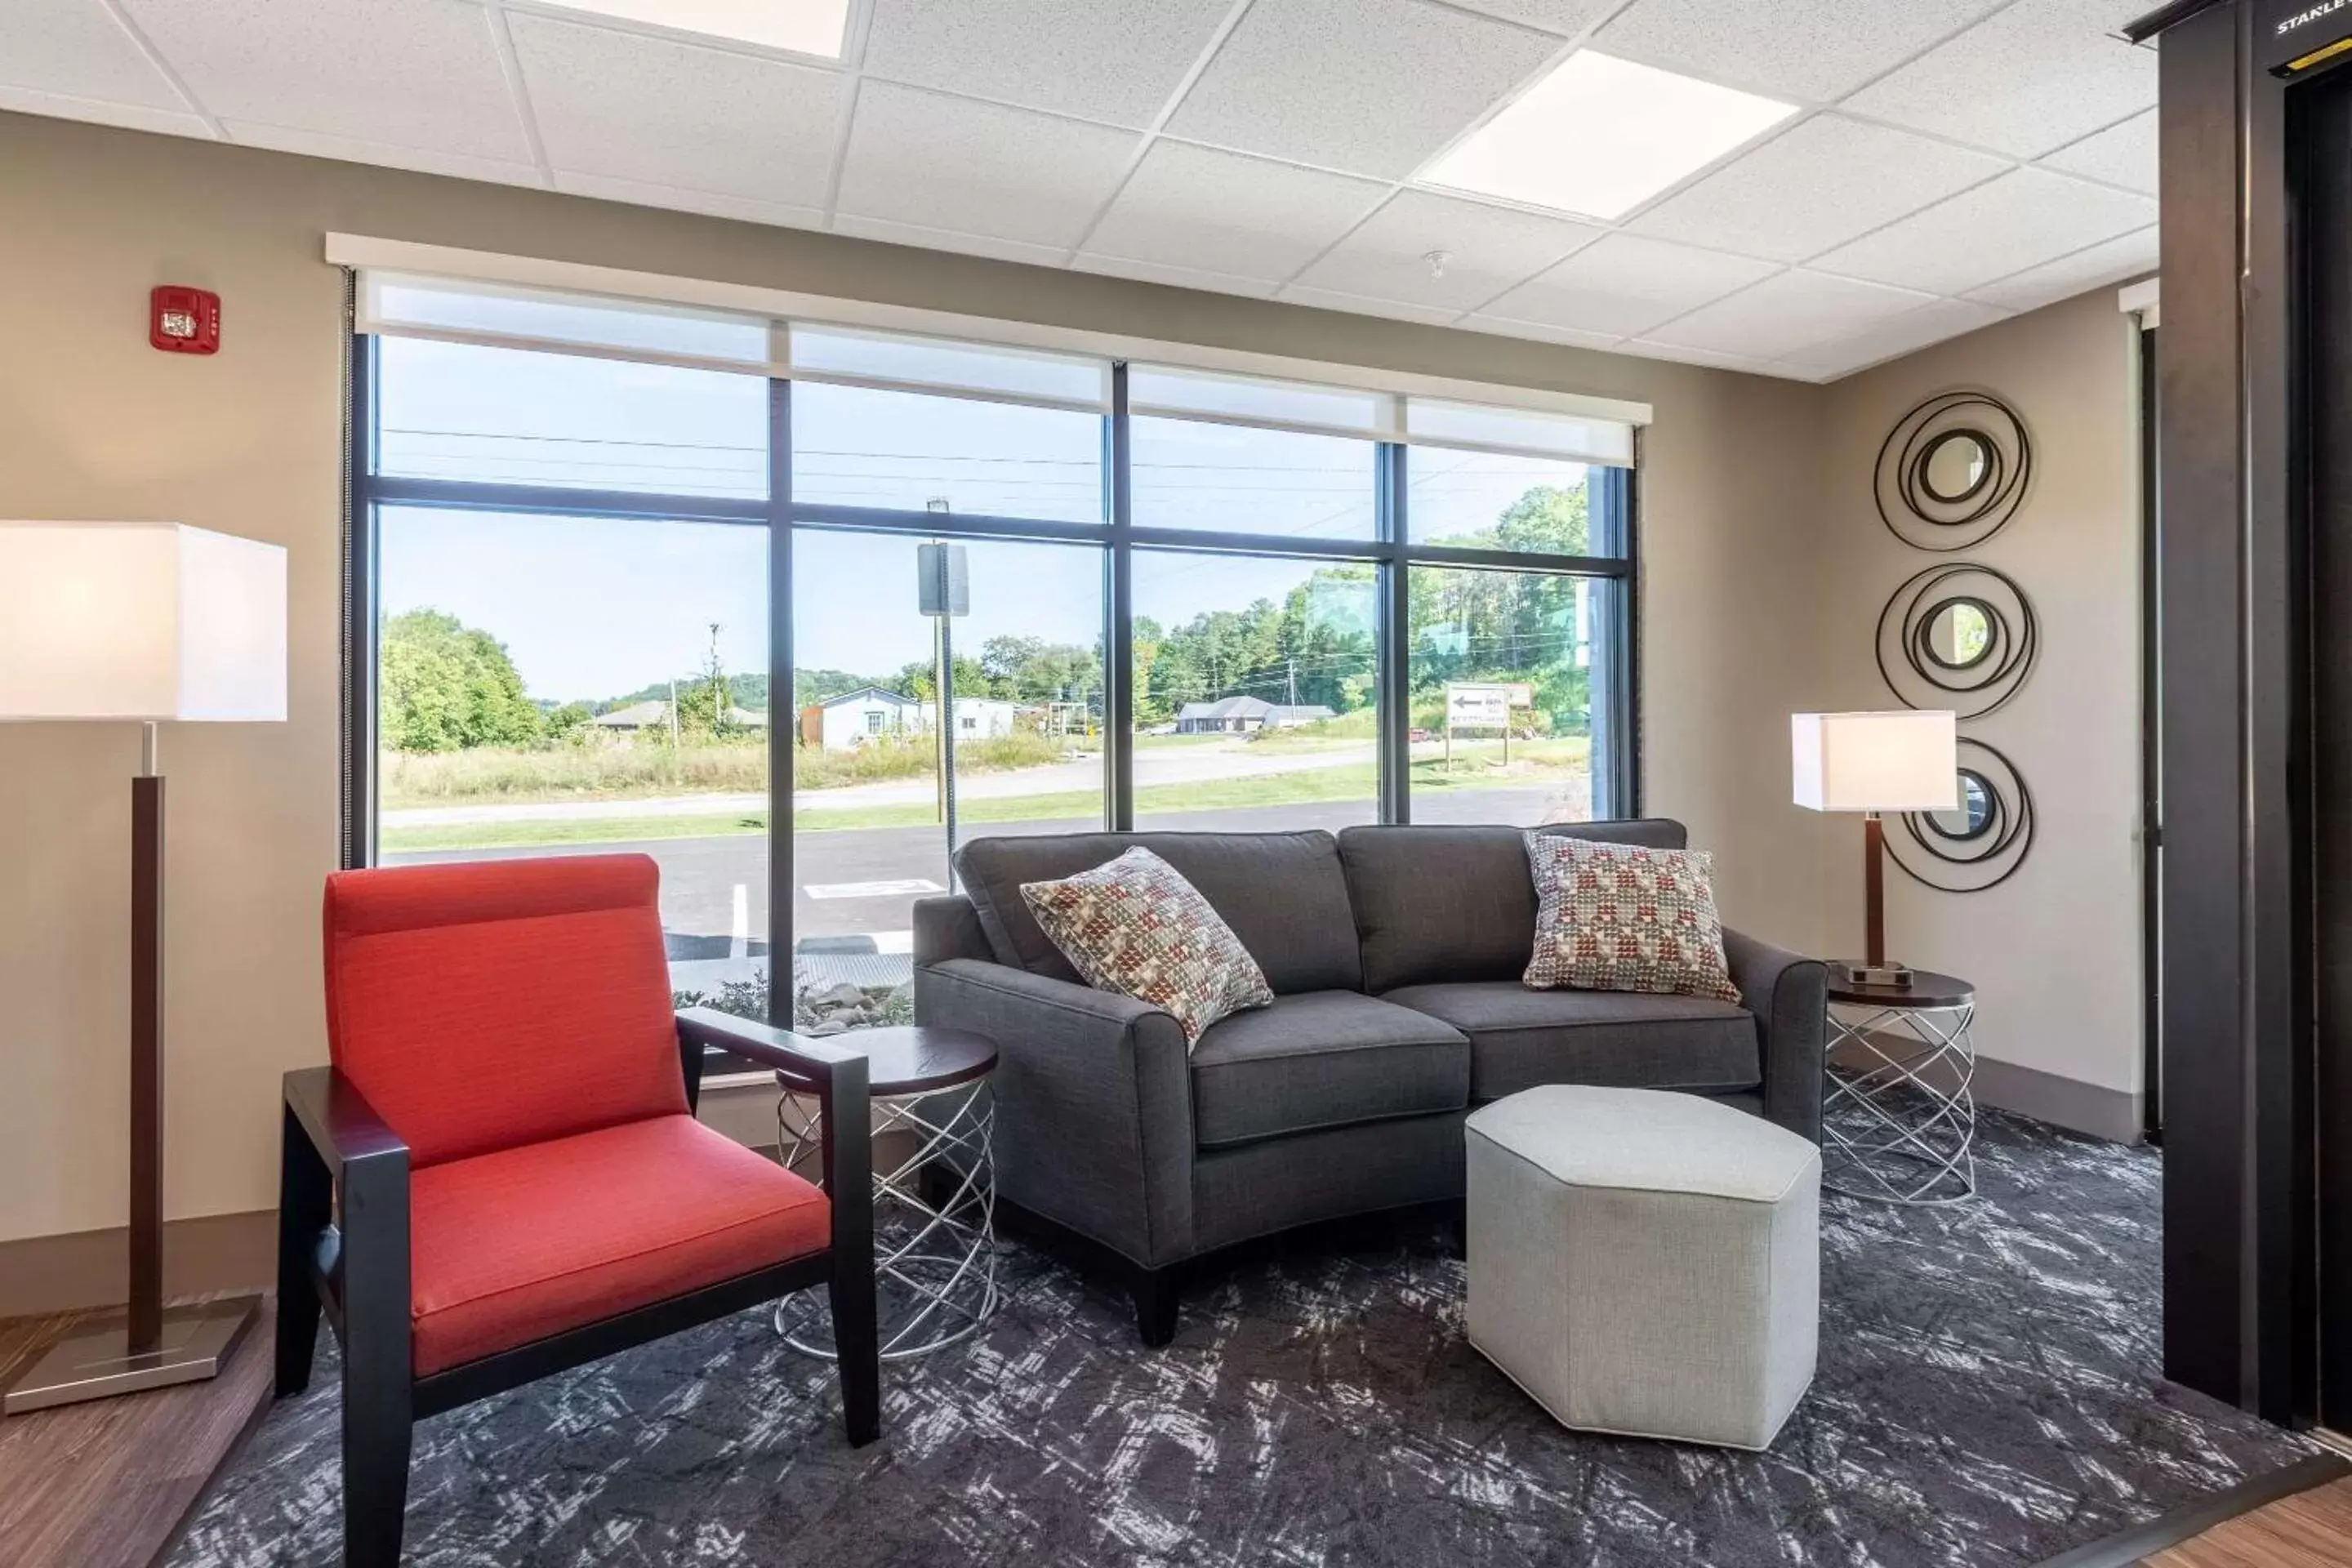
column 935, row 1268
column 1905, row 1120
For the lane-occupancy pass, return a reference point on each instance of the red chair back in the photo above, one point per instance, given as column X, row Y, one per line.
column 485, row 1005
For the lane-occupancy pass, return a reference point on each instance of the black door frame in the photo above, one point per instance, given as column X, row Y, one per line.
column 2235, row 720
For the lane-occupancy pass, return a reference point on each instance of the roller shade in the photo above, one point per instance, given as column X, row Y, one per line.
column 402, row 304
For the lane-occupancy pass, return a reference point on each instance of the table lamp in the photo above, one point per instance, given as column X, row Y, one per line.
column 1874, row 763
column 139, row 622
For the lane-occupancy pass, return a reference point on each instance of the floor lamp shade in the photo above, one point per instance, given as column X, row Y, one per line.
column 1874, row 762
column 140, row 622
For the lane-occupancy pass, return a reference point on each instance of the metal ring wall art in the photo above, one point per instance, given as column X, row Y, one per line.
column 1981, row 844
column 1954, row 471
column 1958, row 637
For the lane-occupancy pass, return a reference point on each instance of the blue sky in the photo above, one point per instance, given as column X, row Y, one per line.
column 593, row 608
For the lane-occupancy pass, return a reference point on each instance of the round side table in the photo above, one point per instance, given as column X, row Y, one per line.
column 934, row 1266
column 1901, row 1114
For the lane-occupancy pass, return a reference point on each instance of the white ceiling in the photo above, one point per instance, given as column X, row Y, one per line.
column 1956, row 161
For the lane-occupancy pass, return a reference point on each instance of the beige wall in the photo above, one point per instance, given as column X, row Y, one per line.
column 94, row 423
column 2055, row 952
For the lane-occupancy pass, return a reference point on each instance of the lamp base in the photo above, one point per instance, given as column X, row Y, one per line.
column 95, row 1361
column 1893, row 976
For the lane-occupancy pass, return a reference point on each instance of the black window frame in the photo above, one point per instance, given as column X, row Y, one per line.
column 1615, row 523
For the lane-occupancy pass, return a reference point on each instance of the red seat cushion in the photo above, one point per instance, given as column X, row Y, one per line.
column 487, row 1004
column 511, row 1247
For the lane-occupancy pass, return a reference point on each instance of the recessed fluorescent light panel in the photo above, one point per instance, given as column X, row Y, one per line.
column 1600, row 135
column 804, row 26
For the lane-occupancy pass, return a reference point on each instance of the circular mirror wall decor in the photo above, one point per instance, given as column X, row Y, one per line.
column 1980, row 843
column 1957, row 637
column 1954, row 472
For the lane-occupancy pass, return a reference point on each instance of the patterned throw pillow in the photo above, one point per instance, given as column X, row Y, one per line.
column 1615, row 917
column 1137, row 927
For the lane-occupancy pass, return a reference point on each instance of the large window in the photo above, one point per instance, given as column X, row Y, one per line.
column 871, row 821
column 1256, row 692
column 583, row 685
column 670, row 582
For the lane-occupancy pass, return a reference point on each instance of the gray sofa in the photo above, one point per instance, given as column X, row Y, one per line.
column 1395, row 955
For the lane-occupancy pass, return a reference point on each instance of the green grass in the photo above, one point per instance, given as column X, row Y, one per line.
column 621, row 770
column 1310, row 785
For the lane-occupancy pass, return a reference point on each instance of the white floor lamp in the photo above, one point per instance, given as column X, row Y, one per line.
column 139, row 622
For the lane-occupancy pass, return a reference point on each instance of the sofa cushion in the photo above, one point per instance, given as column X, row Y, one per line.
column 1458, row 903
column 1283, row 894
column 1323, row 1058
column 1521, row 1038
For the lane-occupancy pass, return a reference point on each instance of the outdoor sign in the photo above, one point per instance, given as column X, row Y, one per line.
column 1484, row 705
column 1474, row 705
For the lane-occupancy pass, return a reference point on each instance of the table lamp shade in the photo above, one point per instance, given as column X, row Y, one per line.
column 140, row 621
column 1876, row 762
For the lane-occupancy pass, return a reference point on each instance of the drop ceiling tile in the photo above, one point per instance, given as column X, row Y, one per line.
column 1503, row 327
column 1625, row 285
column 414, row 73
column 1566, row 17
column 638, row 192
column 1174, row 277
column 1115, row 60
column 1645, row 349
column 1820, row 185
column 348, row 150
column 629, row 107
column 76, row 48
column 2025, row 81
column 58, row 105
column 1813, row 50
column 1931, row 324
column 2024, row 218
column 978, row 168
column 2116, row 261
column 2121, row 155
column 1487, row 249
column 1785, row 313
column 947, row 239
column 1222, row 213
column 1373, row 86
column 1362, row 305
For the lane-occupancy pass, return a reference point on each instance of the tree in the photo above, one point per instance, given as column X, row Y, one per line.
column 447, row 686
column 706, row 704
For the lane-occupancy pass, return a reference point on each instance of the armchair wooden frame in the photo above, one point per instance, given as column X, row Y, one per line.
column 350, row 1261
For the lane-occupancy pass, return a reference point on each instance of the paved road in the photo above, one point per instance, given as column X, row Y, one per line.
column 703, row 878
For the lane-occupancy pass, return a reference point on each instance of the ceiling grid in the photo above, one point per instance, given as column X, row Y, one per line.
column 1949, row 162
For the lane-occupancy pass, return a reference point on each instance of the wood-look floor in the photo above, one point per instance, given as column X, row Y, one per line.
column 108, row 1484
column 2309, row 1529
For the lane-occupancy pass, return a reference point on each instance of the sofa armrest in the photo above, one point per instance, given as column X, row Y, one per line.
column 1789, row 996
column 949, row 927
column 1094, row 1102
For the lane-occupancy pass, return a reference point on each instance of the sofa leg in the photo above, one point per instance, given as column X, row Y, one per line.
column 1155, row 1292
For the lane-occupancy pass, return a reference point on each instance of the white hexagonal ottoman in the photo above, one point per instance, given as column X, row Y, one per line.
column 1646, row 1264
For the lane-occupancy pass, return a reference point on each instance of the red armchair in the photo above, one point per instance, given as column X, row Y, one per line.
column 501, row 1176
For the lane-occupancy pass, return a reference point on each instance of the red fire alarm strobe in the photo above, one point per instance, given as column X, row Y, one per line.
column 183, row 320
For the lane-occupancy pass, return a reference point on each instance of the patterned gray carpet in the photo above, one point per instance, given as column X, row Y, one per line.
column 1987, row 1395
